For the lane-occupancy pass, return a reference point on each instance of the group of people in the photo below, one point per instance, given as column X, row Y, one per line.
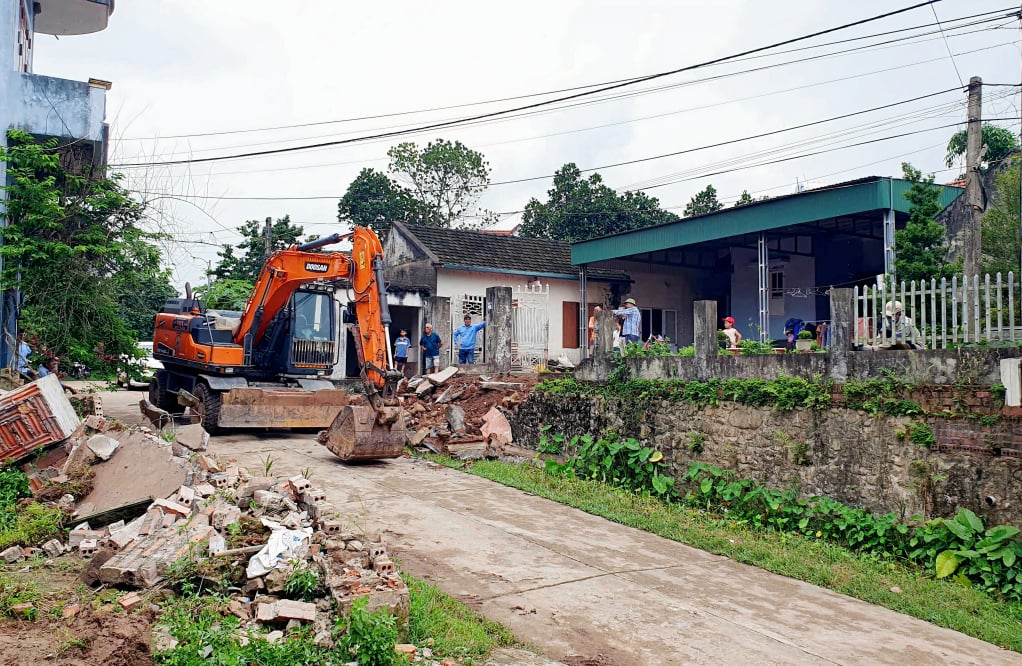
column 430, row 343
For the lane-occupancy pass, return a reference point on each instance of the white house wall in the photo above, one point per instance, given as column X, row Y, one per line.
column 455, row 283
column 664, row 288
column 799, row 272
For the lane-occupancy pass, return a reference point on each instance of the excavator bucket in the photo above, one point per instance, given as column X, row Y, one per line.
column 357, row 434
column 280, row 408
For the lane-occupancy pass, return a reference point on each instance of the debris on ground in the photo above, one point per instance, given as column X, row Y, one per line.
column 37, row 414
column 463, row 416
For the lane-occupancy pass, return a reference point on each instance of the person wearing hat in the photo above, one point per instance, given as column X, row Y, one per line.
column 465, row 340
column 733, row 336
column 631, row 328
column 897, row 331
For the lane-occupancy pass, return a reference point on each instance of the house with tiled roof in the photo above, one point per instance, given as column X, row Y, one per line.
column 439, row 275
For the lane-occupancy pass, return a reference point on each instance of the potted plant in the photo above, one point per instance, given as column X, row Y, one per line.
column 805, row 341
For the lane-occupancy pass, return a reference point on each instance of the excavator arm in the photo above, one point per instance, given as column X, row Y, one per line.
column 287, row 270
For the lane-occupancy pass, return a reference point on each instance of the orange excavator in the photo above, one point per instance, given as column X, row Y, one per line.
column 267, row 366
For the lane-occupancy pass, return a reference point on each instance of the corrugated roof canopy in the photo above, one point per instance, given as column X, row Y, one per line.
column 834, row 201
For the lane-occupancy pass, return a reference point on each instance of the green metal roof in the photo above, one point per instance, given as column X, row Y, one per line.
column 853, row 197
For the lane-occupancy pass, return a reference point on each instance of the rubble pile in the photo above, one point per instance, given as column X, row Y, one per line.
column 463, row 416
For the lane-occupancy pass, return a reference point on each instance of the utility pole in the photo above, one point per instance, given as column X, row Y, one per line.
column 268, row 238
column 973, row 192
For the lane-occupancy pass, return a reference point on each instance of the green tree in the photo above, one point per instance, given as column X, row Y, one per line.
column 225, row 294
column 445, row 178
column 71, row 242
column 1000, row 231
column 141, row 295
column 374, row 200
column 704, row 202
column 1000, row 143
column 921, row 247
column 745, row 199
column 582, row 208
column 244, row 260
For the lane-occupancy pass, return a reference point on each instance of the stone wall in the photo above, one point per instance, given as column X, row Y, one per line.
column 850, row 455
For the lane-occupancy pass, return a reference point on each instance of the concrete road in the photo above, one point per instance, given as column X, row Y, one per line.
column 572, row 584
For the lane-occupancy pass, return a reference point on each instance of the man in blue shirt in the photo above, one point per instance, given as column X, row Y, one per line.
column 430, row 343
column 631, row 328
column 465, row 340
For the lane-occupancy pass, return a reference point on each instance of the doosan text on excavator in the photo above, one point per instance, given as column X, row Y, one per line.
column 267, row 366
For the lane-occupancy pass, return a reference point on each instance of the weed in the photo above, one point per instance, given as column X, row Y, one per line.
column 989, row 419
column 302, row 583
column 32, row 524
column 307, row 474
column 921, row 434
column 13, row 591
column 694, row 442
column 268, row 464
column 553, row 444
column 369, row 637
column 998, row 391
column 798, row 451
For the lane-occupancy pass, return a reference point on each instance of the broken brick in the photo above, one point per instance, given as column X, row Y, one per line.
column 130, row 600
column 286, row 609
column 172, row 507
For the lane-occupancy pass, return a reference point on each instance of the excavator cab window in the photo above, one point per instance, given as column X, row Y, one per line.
column 312, row 312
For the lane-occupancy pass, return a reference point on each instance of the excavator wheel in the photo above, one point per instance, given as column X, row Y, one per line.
column 356, row 435
column 208, row 408
column 160, row 397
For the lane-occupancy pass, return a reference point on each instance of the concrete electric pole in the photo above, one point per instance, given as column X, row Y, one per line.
column 268, row 239
column 971, row 236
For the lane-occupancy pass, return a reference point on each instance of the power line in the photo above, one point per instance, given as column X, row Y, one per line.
column 951, row 57
column 999, row 12
column 553, row 101
column 635, row 161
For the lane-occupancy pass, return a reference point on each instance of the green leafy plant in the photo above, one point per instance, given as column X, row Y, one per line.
column 998, row 391
column 13, row 486
column 694, row 442
column 268, row 464
column 551, row 444
column 302, row 583
column 921, row 434
column 805, row 335
column 368, row 637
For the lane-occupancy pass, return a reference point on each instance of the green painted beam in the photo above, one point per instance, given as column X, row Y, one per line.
column 823, row 204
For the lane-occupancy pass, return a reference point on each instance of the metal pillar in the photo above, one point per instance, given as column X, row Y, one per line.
column 583, row 312
column 764, row 288
column 889, row 252
column 9, row 296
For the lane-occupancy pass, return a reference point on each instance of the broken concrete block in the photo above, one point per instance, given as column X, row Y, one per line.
column 219, row 480
column 217, row 544
column 299, row 484
column 96, row 422
column 224, row 516
column 455, row 416
column 173, row 507
column 439, row 378
column 76, row 536
column 313, row 495
column 269, row 500
column 204, row 489
column 88, row 547
column 383, row 566
column 151, row 521
column 185, row 496
column 496, row 427
column 53, row 548
column 13, row 554
column 192, row 436
column 420, row 434
column 122, row 537
column 332, row 527
column 102, row 447
column 424, row 389
column 130, row 600
column 66, row 503
column 207, row 463
column 286, row 609
column 252, row 485
column 450, row 395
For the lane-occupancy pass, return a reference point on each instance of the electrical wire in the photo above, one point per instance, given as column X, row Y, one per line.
column 553, row 101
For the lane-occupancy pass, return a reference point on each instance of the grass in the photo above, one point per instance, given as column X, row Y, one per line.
column 944, row 603
column 33, row 524
column 14, row 591
column 448, row 627
column 451, row 628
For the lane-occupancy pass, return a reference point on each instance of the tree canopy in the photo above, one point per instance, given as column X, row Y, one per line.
column 999, row 142
column 374, row 200
column 1000, row 234
column 703, row 202
column 921, row 247
column 244, row 260
column 580, row 208
column 446, row 178
column 745, row 199
column 73, row 244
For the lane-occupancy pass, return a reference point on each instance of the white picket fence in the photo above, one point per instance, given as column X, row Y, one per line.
column 946, row 312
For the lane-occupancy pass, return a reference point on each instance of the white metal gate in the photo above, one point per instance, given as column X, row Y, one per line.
column 474, row 306
column 530, row 333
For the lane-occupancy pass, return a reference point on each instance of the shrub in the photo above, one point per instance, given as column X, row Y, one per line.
column 369, row 637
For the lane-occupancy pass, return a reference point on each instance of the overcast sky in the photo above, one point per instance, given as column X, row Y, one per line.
column 188, row 67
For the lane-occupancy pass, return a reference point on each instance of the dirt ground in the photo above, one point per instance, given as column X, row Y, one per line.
column 100, row 633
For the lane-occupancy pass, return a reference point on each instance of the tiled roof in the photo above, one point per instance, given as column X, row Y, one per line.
column 474, row 249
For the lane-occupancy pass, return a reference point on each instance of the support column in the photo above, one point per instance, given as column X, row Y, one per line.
column 704, row 334
column 764, row 288
column 8, row 295
column 973, row 188
column 499, row 328
column 889, row 251
column 583, row 314
column 437, row 311
column 842, row 319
